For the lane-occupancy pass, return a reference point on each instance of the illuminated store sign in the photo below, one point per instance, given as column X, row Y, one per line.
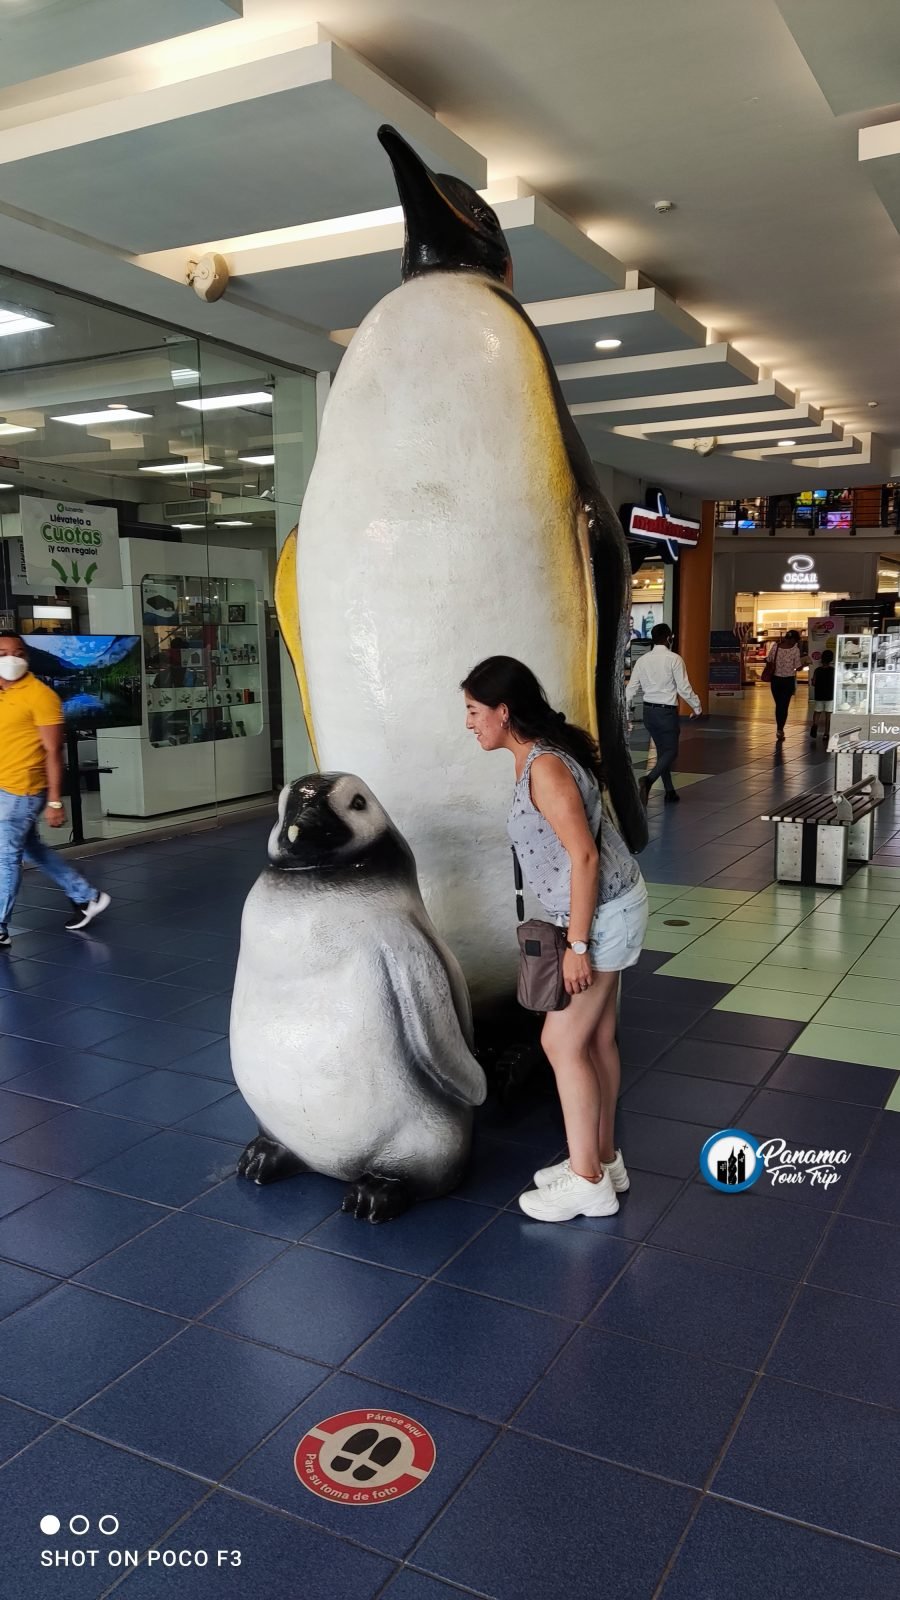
column 802, row 575
column 661, row 526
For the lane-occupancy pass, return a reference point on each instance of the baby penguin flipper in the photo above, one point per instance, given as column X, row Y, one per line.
column 430, row 1030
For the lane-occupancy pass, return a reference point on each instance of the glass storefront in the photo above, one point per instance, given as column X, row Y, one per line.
column 147, row 483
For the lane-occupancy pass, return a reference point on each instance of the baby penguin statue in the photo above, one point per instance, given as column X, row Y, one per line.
column 351, row 1027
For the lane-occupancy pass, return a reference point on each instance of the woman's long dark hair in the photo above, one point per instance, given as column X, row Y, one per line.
column 504, row 681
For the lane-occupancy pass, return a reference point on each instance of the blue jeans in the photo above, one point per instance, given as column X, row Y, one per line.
column 664, row 728
column 19, row 838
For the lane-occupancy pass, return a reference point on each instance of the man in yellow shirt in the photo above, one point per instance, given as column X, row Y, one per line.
column 31, row 776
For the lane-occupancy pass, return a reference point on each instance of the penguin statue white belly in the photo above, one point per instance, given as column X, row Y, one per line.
column 350, row 1021
column 452, row 514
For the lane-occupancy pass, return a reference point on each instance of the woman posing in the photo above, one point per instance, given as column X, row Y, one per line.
column 597, row 894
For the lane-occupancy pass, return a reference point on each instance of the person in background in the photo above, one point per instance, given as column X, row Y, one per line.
column 821, row 697
column 31, row 777
column 661, row 676
column 588, row 882
column 785, row 660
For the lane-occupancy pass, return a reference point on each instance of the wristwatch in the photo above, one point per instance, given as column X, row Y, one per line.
column 55, row 805
column 577, row 946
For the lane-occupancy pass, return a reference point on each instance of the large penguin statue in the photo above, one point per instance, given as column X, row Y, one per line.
column 350, row 1022
column 453, row 513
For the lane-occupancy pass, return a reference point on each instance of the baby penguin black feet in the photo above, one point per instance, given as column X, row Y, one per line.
column 373, row 1199
column 265, row 1161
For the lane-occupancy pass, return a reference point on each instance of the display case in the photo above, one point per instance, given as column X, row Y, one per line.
column 885, row 696
column 202, row 658
column 852, row 682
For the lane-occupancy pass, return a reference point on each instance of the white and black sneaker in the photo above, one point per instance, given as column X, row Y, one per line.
column 5, row 940
column 82, row 915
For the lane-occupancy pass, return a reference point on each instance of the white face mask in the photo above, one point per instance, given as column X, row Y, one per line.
column 12, row 668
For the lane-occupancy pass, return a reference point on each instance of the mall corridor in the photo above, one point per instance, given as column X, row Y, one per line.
column 672, row 1401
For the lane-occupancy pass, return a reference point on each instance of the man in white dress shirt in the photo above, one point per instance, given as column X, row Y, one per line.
column 661, row 676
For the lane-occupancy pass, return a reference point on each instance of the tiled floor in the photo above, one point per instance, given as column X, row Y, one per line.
column 671, row 1402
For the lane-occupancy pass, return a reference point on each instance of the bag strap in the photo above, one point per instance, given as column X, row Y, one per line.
column 520, row 894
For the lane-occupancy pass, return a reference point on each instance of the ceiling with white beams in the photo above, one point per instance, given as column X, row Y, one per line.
column 762, row 307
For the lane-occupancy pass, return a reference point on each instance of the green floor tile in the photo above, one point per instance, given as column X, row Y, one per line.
column 732, row 949
column 848, row 923
column 838, row 943
column 893, row 1100
column 877, row 875
column 759, row 933
column 671, row 939
column 695, row 925
column 689, row 965
column 721, row 897
column 811, row 959
column 757, row 1003
column 866, row 1014
column 865, row 896
column 773, row 917
column 883, row 991
column 848, row 1044
column 795, row 980
column 872, row 964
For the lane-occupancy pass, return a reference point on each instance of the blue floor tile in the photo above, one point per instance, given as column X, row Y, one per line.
column 314, row 1304
column 841, row 1343
column 746, row 1231
column 729, row 1063
column 500, row 1170
column 170, row 1168
column 274, row 1551
column 18, row 1188
column 160, row 1096
column 18, row 977
column 833, row 1080
column 18, row 1428
column 821, row 1459
column 67, row 1228
column 130, row 997
column 860, row 1257
column 80, row 1029
column 425, row 1238
column 286, row 1210
column 809, row 1122
column 19, row 1286
column 74, row 1079
column 213, row 1061
column 414, row 1351
column 873, row 1191
column 638, row 1404
column 638, row 1047
column 661, row 1016
column 640, row 1207
column 60, row 1351
column 656, row 1144
column 73, row 1142
column 183, row 1266
column 561, row 1270
column 155, row 1045
column 700, row 1306
column 410, row 1585
column 213, row 1013
column 392, row 1527
column 230, row 1118
column 69, row 1474
column 519, row 1528
column 20, row 1112
column 731, row 1027
column 728, row 1548
column 202, row 1402
column 672, row 1095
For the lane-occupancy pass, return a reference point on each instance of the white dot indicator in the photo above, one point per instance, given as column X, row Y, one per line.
column 50, row 1524
column 83, row 1523
column 108, row 1524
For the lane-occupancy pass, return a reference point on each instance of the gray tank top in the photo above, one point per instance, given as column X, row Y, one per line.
column 545, row 861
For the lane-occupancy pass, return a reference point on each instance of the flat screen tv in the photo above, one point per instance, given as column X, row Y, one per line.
column 97, row 676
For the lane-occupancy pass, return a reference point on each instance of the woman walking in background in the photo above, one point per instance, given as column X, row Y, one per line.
column 556, row 822
column 785, row 661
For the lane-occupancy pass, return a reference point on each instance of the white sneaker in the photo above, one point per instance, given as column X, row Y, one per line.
column 82, row 915
column 569, row 1196
column 616, row 1169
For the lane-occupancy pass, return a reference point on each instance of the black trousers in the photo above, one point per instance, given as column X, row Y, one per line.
column 664, row 729
column 783, row 690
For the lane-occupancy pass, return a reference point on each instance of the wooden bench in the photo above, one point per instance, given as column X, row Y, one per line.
column 817, row 833
column 856, row 758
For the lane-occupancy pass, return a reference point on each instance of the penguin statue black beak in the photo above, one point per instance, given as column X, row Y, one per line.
column 449, row 228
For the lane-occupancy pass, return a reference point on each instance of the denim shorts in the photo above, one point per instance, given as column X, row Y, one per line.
column 618, row 930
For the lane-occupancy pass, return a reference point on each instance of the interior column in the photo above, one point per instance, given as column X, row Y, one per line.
column 695, row 603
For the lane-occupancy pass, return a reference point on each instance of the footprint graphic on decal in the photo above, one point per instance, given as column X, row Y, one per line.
column 369, row 1443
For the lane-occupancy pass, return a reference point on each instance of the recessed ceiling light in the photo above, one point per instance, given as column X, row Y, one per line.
column 871, row 403
column 260, row 461
column 184, row 527
column 7, row 486
column 182, row 376
column 232, row 522
column 222, row 402
column 83, row 419
column 15, row 319
column 182, row 466
column 786, row 444
column 7, row 429
column 608, row 344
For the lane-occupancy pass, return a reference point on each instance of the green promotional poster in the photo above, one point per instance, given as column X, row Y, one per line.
column 73, row 545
